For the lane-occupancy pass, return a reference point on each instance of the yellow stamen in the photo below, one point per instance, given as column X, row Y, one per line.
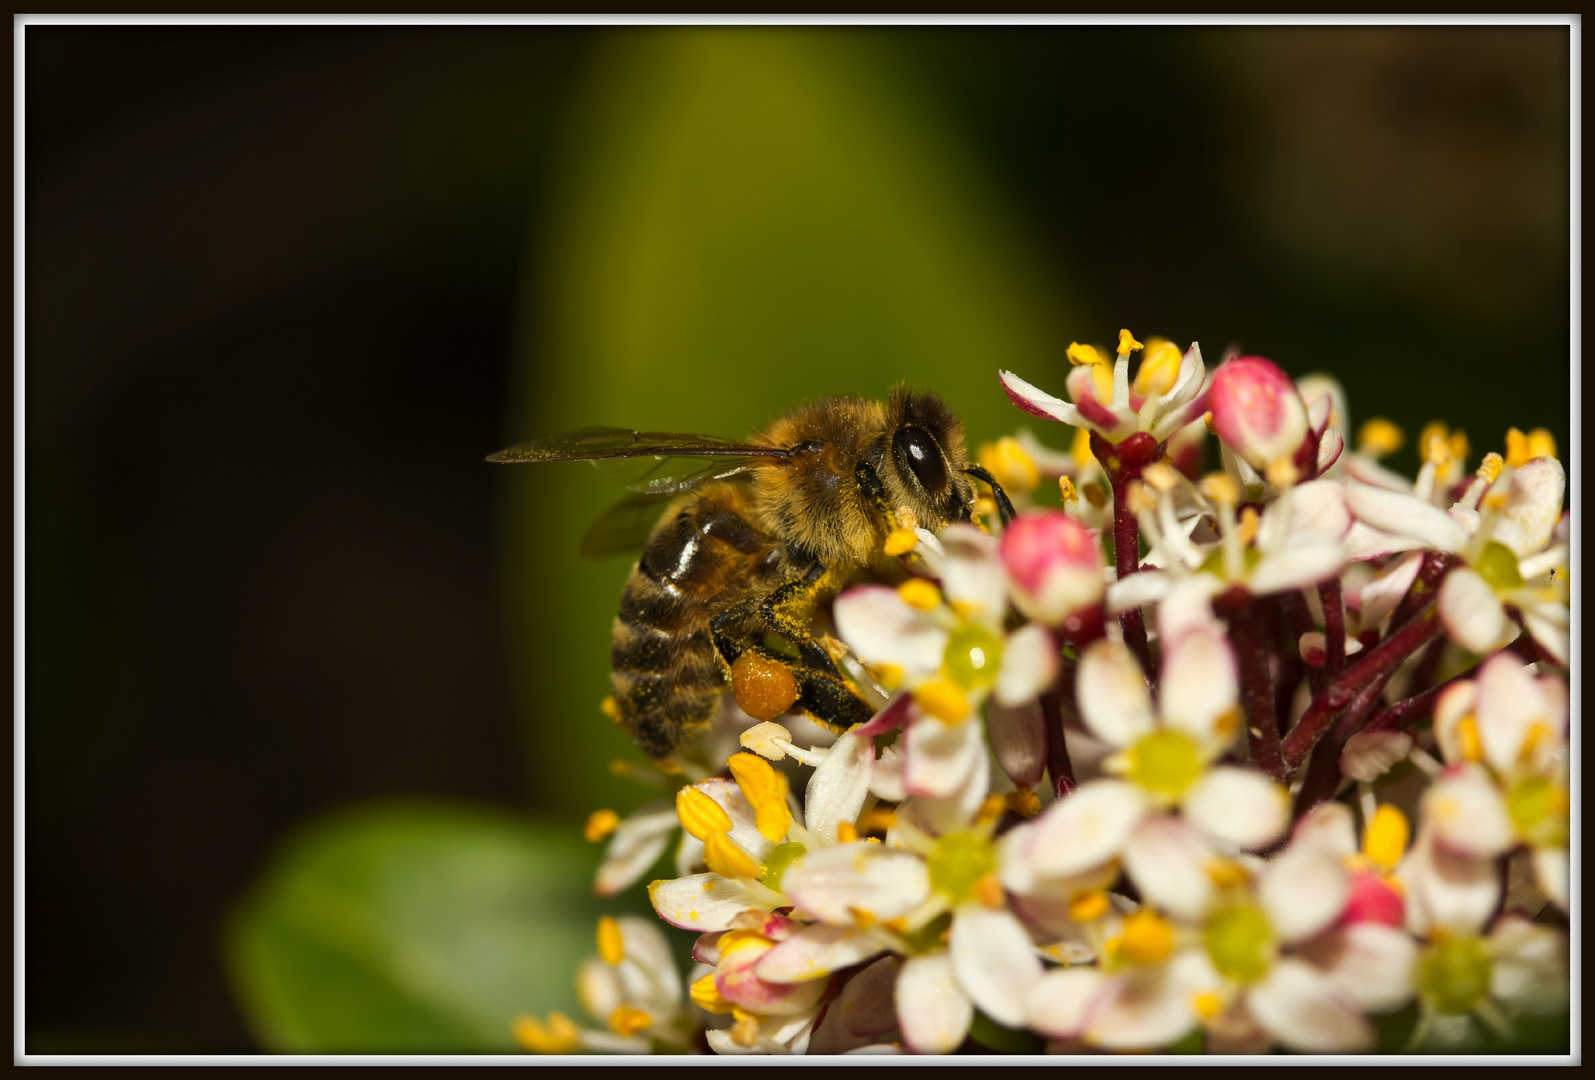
column 1561, row 573
column 1140, row 498
column 1541, row 443
column 1468, row 740
column 766, row 791
column 1226, row 873
column 609, row 708
column 1127, row 343
column 1434, row 443
column 600, row 823
column 1160, row 477
column 558, row 1036
column 1207, row 422
column 1014, row 469
column 1282, row 472
column 1458, row 445
column 1490, row 468
column 877, row 819
column 706, row 995
column 863, row 919
column 1206, row 1004
column 745, row 1032
column 943, row 700
column 1539, row 733
column 991, row 808
column 1080, row 448
column 985, row 506
column 700, row 815
column 846, row 832
column 1095, row 494
column 1080, row 355
column 907, row 519
column 1160, row 368
column 1089, row 906
column 1148, row 938
column 1379, row 437
column 1220, row 488
column 920, row 594
column 1384, row 840
column 729, row 861
column 900, row 542
column 1246, row 528
column 1066, row 489
column 988, row 893
column 629, row 1020
column 611, row 948
column 890, row 676
column 1024, row 802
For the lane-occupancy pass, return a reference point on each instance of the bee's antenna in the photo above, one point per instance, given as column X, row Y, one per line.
column 1005, row 509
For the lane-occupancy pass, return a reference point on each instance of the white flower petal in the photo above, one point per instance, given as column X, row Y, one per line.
column 1404, row 515
column 1038, row 402
column 1470, row 611
column 1450, row 709
column 832, row 883
column 1303, row 891
column 1547, row 624
column 1144, row 587
column 1169, row 861
column 1363, row 542
column 1086, row 828
column 1369, row 964
column 636, row 844
column 932, row 1012
column 1329, row 827
column 1029, row 665
column 1551, row 874
column 840, row 783
column 1368, row 755
column 1468, row 815
column 881, row 627
column 1530, row 966
column 939, row 758
column 1380, row 596
column 1306, row 561
column 1018, row 737
column 1533, row 506
column 1061, row 1001
column 886, row 781
column 815, row 952
column 1199, row 685
column 1444, row 890
column 701, row 902
column 1114, row 701
column 1509, row 709
column 1316, row 509
column 1149, row 1007
column 972, row 573
column 1238, row 806
column 744, row 821
column 995, row 962
column 1296, row 1004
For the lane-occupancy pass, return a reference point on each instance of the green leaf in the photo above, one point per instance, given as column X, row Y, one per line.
column 745, row 219
column 412, row 929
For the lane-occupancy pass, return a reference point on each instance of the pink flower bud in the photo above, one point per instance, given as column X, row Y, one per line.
column 1054, row 565
column 1374, row 899
column 1257, row 411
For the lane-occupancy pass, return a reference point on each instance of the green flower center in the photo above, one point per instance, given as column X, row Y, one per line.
column 1165, row 762
column 958, row 861
column 1214, row 563
column 931, row 935
column 776, row 863
column 1454, row 974
column 1498, row 567
column 1240, row 942
column 972, row 656
column 1539, row 811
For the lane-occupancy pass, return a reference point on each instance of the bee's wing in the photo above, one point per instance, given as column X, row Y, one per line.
column 648, row 462
column 623, row 529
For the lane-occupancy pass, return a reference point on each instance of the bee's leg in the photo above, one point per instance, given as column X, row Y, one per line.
column 830, row 700
column 869, row 482
column 785, row 611
column 1005, row 509
column 728, row 644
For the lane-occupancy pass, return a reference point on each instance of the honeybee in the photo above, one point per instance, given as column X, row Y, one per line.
column 746, row 539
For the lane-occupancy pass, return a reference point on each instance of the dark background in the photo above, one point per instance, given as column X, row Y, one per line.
column 281, row 281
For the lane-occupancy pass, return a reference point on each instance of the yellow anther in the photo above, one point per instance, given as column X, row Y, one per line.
column 1095, row 494
column 890, row 676
column 1468, row 740
column 906, row 518
column 920, row 593
column 1140, row 498
column 600, row 823
column 766, row 791
column 1384, row 839
column 1458, row 444
column 1207, row 422
column 1160, row 368
column 944, row 700
column 700, row 815
column 629, row 1020
column 1541, row 443
column 991, row 808
column 1112, row 951
column 985, row 506
column 1521, row 448
column 609, row 708
column 1080, row 448
column 846, row 832
column 1490, row 468
column 1160, row 477
column 1024, row 802
column 1206, row 1004
column 877, row 819
column 1066, row 490
column 729, row 861
column 706, row 995
column 1009, row 462
column 1220, row 488
column 900, row 542
column 1561, row 573
column 1127, row 343
column 1434, row 444
column 1282, row 472
column 1080, row 355
column 1148, row 938
column 1538, row 734
column 557, row 1036
column 1228, row 722
column 1226, row 873
column 1246, row 528
column 863, row 919
column 988, row 893
column 1495, row 500
column 745, row 1031
column 1379, row 437
column 1089, row 906
column 611, row 949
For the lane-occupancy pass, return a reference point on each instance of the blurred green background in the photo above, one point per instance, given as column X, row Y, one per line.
column 311, row 691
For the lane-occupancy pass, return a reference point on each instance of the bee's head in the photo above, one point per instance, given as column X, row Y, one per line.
column 926, row 452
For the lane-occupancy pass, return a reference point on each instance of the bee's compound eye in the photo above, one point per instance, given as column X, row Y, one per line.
column 918, row 453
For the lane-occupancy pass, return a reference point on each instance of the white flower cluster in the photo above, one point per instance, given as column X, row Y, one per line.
column 1111, row 799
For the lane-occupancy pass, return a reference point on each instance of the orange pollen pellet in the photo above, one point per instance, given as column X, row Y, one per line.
column 764, row 688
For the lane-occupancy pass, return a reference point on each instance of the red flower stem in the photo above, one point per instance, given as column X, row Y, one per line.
column 1334, row 626
column 1323, row 776
column 1435, row 565
column 1412, row 711
column 1059, row 767
column 1123, row 462
column 1381, row 660
column 1257, row 686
